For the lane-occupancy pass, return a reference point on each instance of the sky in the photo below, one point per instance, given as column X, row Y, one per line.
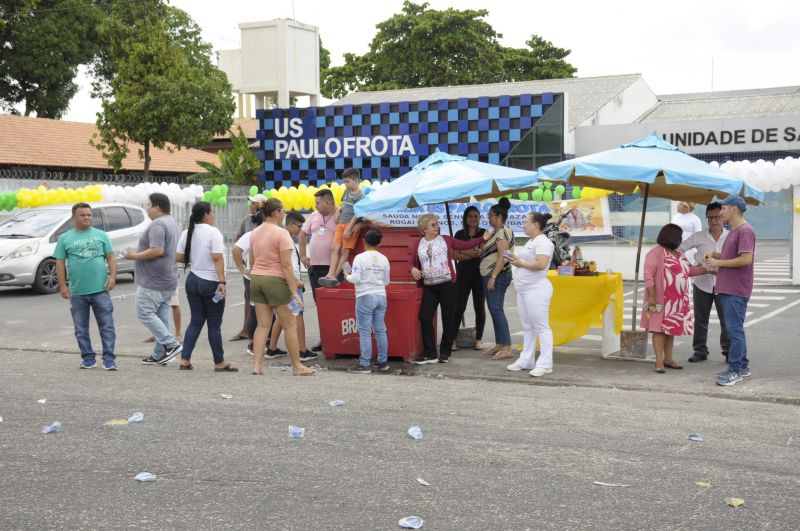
column 751, row 44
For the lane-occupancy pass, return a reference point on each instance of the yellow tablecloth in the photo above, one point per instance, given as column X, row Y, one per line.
column 578, row 304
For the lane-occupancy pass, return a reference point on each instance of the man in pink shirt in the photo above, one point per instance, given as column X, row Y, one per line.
column 320, row 227
column 735, row 285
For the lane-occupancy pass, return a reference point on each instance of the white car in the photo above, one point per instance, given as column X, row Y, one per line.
column 28, row 241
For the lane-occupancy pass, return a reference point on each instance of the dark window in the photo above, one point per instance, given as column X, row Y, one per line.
column 61, row 230
column 116, row 218
column 135, row 215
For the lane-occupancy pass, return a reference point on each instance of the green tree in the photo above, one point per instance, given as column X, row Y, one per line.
column 421, row 47
column 157, row 83
column 43, row 47
column 236, row 166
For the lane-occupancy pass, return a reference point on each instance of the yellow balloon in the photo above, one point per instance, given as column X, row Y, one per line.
column 294, row 199
column 365, row 183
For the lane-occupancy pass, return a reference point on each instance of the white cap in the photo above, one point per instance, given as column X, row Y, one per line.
column 258, row 198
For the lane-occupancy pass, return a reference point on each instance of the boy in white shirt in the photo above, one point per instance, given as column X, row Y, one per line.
column 370, row 275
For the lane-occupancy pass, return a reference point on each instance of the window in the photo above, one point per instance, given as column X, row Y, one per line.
column 135, row 215
column 116, row 218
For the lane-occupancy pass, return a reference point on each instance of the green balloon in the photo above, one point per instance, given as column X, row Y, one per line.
column 548, row 184
column 222, row 201
column 224, row 189
column 560, row 189
column 537, row 194
column 576, row 192
column 547, row 196
column 253, row 190
column 207, row 197
column 523, row 196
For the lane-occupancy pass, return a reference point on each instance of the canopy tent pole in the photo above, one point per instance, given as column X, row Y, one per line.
column 638, row 258
column 449, row 223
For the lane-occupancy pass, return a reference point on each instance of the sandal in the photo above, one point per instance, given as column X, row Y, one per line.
column 478, row 344
column 307, row 372
column 185, row 367
column 673, row 365
column 258, row 373
column 660, row 370
column 227, row 368
column 503, row 353
column 238, row 337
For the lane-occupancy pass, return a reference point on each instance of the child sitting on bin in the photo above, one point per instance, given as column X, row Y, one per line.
column 346, row 236
column 370, row 275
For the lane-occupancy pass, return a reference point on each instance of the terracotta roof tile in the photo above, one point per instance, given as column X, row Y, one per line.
column 26, row 141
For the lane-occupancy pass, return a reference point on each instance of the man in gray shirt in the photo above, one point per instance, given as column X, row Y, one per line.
column 157, row 278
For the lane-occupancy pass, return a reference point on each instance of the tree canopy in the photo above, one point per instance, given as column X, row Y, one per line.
column 422, row 47
column 157, row 83
column 41, row 46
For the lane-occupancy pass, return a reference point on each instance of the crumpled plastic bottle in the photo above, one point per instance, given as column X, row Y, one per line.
column 145, row 476
column 415, row 432
column 296, row 432
column 695, row 437
column 136, row 417
column 411, row 522
column 52, row 428
column 335, row 403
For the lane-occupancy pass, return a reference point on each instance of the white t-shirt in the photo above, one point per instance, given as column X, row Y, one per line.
column 688, row 222
column 206, row 239
column 370, row 274
column 524, row 279
column 243, row 243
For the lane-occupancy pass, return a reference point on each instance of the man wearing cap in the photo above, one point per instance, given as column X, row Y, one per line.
column 703, row 292
column 249, row 222
column 734, row 285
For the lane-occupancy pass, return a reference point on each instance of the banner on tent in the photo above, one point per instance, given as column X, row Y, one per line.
column 583, row 217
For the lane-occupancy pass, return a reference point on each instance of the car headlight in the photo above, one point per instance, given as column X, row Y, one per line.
column 22, row 251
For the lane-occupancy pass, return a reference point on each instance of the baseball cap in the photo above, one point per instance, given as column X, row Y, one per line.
column 258, row 198
column 293, row 216
column 734, row 200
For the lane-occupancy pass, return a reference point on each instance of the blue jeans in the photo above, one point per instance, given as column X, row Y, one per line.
column 100, row 304
column 733, row 311
column 200, row 293
column 153, row 309
column 370, row 313
column 494, row 300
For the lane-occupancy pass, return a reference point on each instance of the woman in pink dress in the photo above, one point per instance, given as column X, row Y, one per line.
column 666, row 312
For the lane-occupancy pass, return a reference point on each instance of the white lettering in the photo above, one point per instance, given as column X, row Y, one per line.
column 348, row 142
column 376, row 151
column 280, row 147
column 281, row 132
column 349, row 326
column 406, row 147
column 338, row 145
column 296, row 125
column 294, row 149
column 362, row 146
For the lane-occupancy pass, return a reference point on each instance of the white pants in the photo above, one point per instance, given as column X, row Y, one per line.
column 534, row 312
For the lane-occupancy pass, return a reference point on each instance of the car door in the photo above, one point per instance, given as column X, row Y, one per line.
column 117, row 223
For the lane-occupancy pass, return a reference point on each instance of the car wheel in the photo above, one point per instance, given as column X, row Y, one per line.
column 46, row 279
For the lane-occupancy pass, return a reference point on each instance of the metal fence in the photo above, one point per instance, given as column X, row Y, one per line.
column 228, row 218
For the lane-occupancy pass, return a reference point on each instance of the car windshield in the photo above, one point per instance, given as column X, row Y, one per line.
column 31, row 223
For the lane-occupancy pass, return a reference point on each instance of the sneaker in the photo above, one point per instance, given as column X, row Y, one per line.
column 109, row 365
column 326, row 282
column 444, row 360
column 88, row 363
column 249, row 350
column 170, row 354
column 318, row 348
column 425, row 361
column 696, row 358
column 150, row 360
column 381, row 366
column 359, row 369
column 745, row 372
column 538, row 371
column 272, row 354
column 514, row 367
column 308, row 356
column 729, row 377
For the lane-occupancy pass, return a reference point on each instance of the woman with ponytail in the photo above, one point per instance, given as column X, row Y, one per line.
column 201, row 249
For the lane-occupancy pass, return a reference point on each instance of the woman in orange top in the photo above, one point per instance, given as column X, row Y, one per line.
column 273, row 285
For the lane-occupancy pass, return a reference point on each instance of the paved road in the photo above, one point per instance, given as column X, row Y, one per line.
column 497, row 456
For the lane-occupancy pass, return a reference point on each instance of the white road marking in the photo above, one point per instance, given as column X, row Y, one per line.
column 772, row 314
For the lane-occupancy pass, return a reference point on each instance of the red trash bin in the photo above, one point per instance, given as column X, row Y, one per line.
column 337, row 311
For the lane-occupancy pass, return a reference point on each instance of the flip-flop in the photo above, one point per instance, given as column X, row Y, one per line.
column 227, row 368
column 238, row 337
column 307, row 372
column 185, row 367
column 673, row 366
column 660, row 370
column 258, row 373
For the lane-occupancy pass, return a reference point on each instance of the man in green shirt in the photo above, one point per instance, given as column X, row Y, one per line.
column 83, row 252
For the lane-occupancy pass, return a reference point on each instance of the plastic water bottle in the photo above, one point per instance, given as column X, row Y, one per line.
column 415, row 432
column 218, row 297
column 335, row 403
column 695, row 437
column 136, row 417
column 296, row 432
column 347, row 268
column 145, row 476
column 411, row 522
column 52, row 428
column 294, row 307
column 121, row 254
column 226, row 396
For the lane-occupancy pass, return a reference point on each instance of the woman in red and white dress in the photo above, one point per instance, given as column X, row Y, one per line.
column 666, row 312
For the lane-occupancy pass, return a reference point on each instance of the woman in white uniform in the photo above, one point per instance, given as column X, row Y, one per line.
column 534, row 292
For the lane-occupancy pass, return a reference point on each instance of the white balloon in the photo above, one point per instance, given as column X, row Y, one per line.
column 714, row 163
